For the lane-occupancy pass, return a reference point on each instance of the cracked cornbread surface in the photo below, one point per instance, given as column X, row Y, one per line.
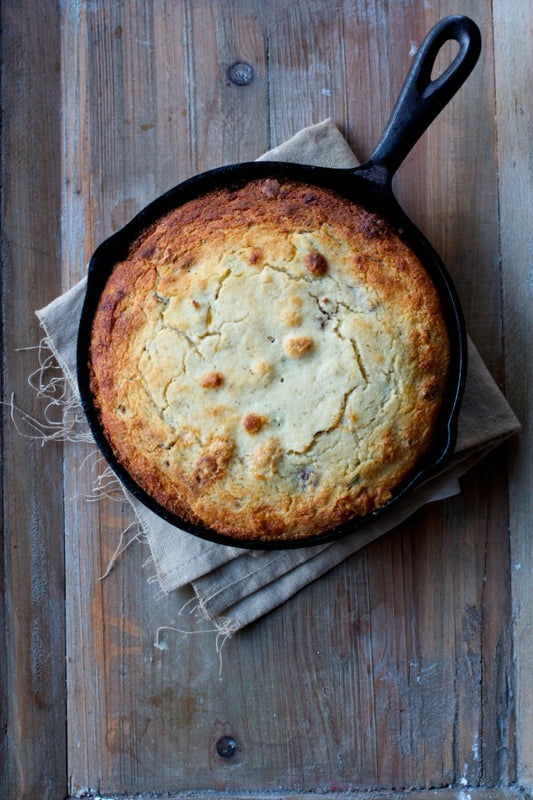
column 269, row 361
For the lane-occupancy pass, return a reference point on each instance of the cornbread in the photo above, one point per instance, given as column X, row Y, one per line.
column 269, row 361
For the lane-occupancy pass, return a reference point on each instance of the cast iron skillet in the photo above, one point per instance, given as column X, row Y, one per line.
column 370, row 185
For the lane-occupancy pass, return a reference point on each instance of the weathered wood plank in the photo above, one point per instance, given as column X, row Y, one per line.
column 228, row 72
column 120, row 696
column 428, row 187
column 126, row 141
column 431, row 794
column 513, row 26
column 33, row 753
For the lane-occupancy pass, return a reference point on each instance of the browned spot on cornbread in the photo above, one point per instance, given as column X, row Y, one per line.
column 264, row 459
column 252, row 423
column 316, row 264
column 255, row 256
column 298, row 346
column 270, row 188
column 262, row 368
column 212, row 466
column 291, row 310
column 211, row 380
column 388, row 450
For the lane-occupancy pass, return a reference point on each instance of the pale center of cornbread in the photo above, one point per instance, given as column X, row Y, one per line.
column 292, row 367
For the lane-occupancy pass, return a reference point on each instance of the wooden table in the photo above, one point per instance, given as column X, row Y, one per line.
column 409, row 666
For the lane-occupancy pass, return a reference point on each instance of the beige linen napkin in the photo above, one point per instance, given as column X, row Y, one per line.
column 233, row 586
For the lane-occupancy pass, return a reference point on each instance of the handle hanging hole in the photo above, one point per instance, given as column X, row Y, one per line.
column 444, row 58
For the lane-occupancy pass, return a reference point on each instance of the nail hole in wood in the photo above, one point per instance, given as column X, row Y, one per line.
column 240, row 73
column 226, row 747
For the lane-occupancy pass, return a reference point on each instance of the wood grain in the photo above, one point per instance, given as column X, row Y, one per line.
column 33, row 752
column 514, row 68
column 397, row 672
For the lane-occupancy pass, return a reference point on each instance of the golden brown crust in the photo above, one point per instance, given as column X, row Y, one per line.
column 269, row 361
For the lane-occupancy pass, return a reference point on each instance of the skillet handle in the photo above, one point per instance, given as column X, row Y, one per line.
column 422, row 99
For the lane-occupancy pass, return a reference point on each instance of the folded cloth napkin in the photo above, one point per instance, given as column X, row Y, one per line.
column 234, row 586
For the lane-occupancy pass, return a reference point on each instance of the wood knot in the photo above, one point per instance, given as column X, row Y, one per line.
column 240, row 73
